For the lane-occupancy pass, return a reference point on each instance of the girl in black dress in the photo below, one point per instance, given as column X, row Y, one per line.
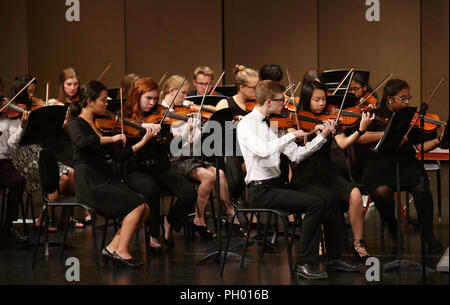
column 318, row 174
column 95, row 183
column 380, row 168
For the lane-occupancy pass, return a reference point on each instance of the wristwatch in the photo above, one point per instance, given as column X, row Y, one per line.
column 361, row 132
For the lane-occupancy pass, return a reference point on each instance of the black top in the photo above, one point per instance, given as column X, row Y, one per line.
column 233, row 105
column 380, row 168
column 95, row 183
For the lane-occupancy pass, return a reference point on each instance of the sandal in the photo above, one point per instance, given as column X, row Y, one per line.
column 359, row 250
column 75, row 223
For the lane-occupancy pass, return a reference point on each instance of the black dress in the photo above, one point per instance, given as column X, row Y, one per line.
column 233, row 105
column 95, row 183
column 380, row 168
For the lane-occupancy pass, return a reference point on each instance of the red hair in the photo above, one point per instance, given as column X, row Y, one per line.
column 132, row 106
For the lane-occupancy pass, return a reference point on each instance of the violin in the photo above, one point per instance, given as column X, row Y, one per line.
column 110, row 124
column 367, row 102
column 430, row 122
column 191, row 108
column 157, row 113
column 15, row 111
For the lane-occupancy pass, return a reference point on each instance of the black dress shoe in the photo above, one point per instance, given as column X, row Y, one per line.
column 309, row 271
column 106, row 253
column 170, row 243
column 129, row 263
column 11, row 235
column 344, row 265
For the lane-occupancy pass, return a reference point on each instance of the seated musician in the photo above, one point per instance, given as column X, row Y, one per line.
column 10, row 177
column 95, row 182
column 380, row 168
column 360, row 87
column 319, row 176
column 151, row 168
column 203, row 79
column 261, row 148
column 193, row 167
column 127, row 84
column 271, row 72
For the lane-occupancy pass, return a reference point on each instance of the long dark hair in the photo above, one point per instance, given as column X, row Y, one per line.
column 393, row 87
column 307, row 91
column 18, row 84
column 90, row 91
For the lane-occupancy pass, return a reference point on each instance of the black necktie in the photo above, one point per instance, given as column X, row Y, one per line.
column 266, row 120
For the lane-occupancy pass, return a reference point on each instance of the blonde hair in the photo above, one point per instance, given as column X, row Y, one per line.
column 266, row 89
column 173, row 82
column 243, row 74
column 207, row 71
column 63, row 76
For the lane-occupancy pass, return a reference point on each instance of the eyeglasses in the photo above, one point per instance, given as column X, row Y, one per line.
column 403, row 98
column 254, row 88
column 277, row 99
column 202, row 84
column 352, row 89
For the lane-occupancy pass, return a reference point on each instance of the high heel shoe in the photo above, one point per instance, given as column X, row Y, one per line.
column 155, row 250
column 359, row 244
column 235, row 228
column 170, row 242
column 202, row 231
column 129, row 263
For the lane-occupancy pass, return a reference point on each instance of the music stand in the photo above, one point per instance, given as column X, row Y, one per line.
column 332, row 78
column 211, row 100
column 390, row 142
column 220, row 116
column 114, row 104
column 43, row 128
column 113, row 92
column 227, row 90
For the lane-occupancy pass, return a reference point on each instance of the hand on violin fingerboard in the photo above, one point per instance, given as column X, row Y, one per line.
column 366, row 120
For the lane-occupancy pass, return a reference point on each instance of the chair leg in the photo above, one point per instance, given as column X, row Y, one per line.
column 46, row 242
column 24, row 217
column 244, row 250
column 439, row 199
column 147, row 236
column 66, row 228
column 30, row 196
column 224, row 256
column 94, row 237
column 289, row 253
column 105, row 230
column 266, row 230
column 38, row 237
column 213, row 213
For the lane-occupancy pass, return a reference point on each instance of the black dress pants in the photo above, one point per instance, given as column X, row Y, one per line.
column 15, row 183
column 278, row 196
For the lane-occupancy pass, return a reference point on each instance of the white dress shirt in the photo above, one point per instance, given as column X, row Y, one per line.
column 11, row 132
column 261, row 147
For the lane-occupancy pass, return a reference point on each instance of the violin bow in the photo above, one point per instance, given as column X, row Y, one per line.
column 426, row 103
column 121, row 108
column 378, row 87
column 343, row 100
column 342, row 81
column 162, row 79
column 288, row 73
column 171, row 103
column 14, row 97
column 217, row 83
column 99, row 78
column 47, row 86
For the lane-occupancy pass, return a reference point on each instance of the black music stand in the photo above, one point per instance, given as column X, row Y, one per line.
column 227, row 90
column 220, row 116
column 211, row 100
column 390, row 143
column 114, row 104
column 43, row 128
column 332, row 78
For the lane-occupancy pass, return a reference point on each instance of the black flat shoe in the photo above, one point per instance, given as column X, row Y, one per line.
column 202, row 231
column 129, row 263
column 310, row 272
column 155, row 250
column 106, row 253
column 170, row 243
column 343, row 265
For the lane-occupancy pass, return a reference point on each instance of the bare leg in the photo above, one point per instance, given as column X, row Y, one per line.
column 207, row 182
column 356, row 214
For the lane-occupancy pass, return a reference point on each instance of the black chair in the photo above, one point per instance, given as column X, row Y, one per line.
column 24, row 210
column 49, row 175
column 283, row 214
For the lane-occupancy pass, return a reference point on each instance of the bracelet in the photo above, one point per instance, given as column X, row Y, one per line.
column 361, row 132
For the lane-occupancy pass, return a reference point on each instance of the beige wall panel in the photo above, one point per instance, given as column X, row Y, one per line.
column 435, row 55
column 13, row 36
column 347, row 39
column 88, row 45
column 173, row 37
column 261, row 32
